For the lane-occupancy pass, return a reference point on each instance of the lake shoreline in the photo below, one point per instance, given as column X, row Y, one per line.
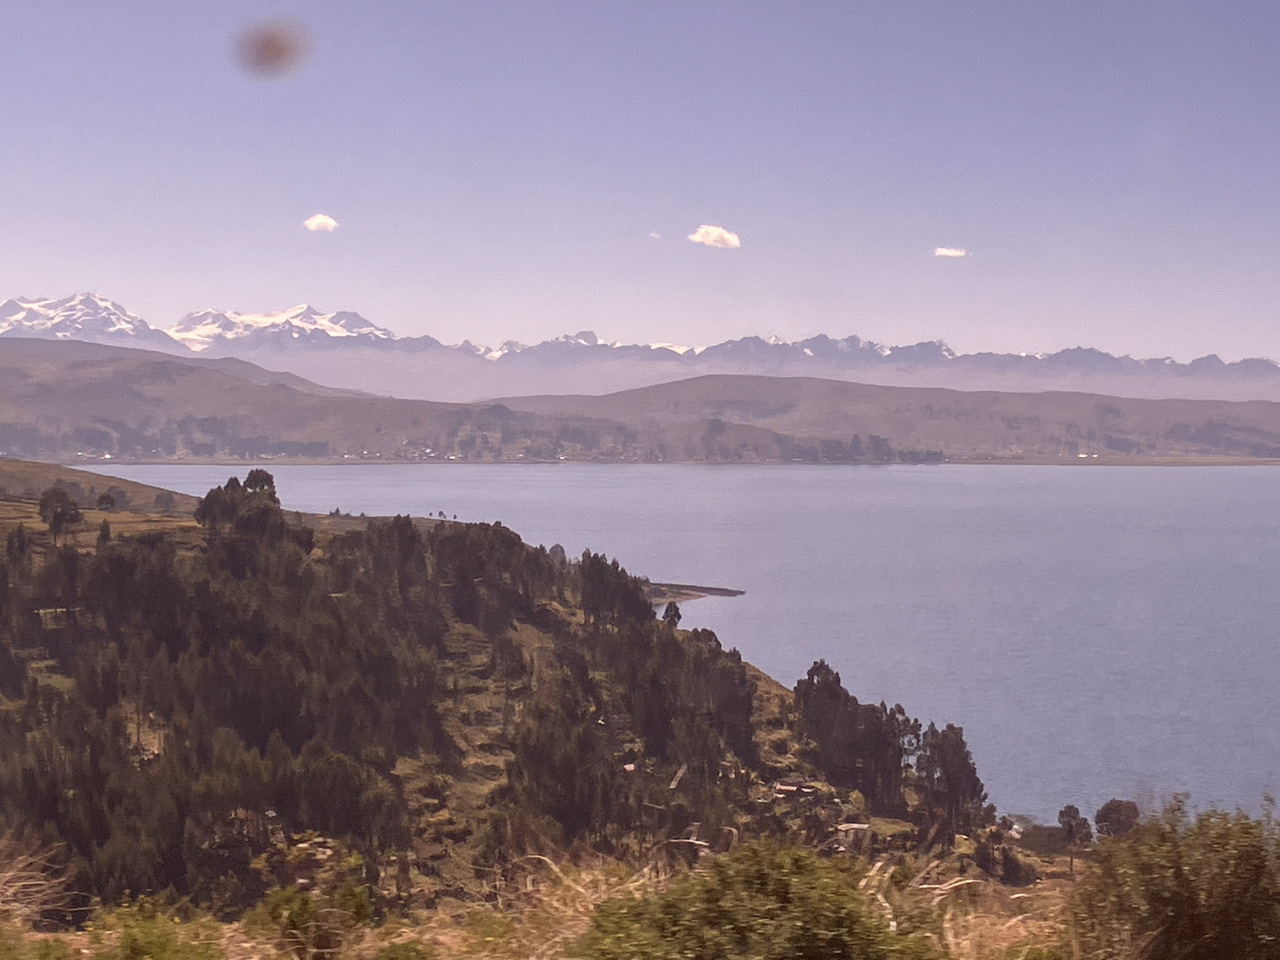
column 975, row 461
column 684, row 592
column 964, row 593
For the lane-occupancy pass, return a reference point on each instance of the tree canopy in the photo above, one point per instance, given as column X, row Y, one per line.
column 173, row 703
column 58, row 510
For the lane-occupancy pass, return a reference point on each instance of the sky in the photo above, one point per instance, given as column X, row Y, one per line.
column 521, row 170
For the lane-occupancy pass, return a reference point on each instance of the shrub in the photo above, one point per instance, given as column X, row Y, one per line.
column 763, row 901
column 308, row 929
column 146, row 933
column 1014, row 870
column 1200, row 889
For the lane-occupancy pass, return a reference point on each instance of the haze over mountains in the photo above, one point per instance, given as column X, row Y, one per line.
column 345, row 350
column 72, row 400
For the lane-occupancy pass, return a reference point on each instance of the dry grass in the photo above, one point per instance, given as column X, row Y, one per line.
column 537, row 917
column 992, row 921
column 541, row 917
column 969, row 917
column 30, row 882
column 544, row 914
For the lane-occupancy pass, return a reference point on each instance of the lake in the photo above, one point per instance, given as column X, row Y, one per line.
column 1097, row 631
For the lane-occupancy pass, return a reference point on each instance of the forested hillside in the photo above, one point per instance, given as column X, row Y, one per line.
column 305, row 725
column 202, row 709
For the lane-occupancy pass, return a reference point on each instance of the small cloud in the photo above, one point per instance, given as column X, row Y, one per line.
column 710, row 236
column 950, row 252
column 654, row 236
column 322, row 222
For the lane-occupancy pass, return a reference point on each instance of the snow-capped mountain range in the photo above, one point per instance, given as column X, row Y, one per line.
column 84, row 316
column 344, row 349
column 97, row 319
column 208, row 328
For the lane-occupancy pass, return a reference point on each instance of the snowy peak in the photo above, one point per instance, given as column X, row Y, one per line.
column 586, row 338
column 929, row 351
column 11, row 309
column 775, row 350
column 473, row 349
column 84, row 316
column 209, row 328
column 508, row 347
column 560, row 345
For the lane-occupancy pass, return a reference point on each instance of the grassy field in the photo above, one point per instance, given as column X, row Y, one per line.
column 966, row 918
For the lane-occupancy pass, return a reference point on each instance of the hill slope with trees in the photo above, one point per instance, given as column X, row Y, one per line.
column 180, row 705
column 325, row 721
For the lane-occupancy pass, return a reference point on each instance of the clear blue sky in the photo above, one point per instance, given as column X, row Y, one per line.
column 496, row 169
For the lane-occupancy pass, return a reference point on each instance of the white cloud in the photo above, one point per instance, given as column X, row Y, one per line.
column 950, row 252
column 654, row 236
column 321, row 221
column 710, row 236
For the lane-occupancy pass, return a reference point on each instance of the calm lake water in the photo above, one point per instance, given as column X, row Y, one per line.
column 1097, row 631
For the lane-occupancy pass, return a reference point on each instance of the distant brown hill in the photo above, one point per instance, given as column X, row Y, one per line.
column 738, row 417
column 70, row 400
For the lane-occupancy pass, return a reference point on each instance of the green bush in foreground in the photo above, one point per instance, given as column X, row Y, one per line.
column 764, row 902
column 146, row 933
column 1202, row 889
column 135, row 931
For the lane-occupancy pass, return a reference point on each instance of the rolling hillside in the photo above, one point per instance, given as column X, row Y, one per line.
column 731, row 417
column 77, row 401
column 68, row 400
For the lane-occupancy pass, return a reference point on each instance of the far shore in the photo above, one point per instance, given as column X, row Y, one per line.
column 981, row 460
column 684, row 592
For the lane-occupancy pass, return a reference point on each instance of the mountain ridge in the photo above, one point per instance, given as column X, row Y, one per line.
column 82, row 316
column 346, row 350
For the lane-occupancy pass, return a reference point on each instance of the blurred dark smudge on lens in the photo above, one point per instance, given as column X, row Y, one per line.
column 272, row 48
